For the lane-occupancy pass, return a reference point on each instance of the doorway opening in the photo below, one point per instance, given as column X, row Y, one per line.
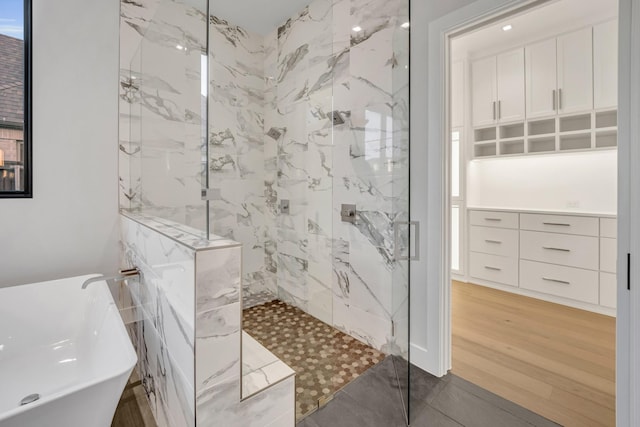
column 532, row 152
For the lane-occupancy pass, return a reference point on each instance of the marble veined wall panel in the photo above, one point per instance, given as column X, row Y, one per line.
column 164, row 335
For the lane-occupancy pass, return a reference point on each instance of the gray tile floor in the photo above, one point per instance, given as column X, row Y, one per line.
column 375, row 399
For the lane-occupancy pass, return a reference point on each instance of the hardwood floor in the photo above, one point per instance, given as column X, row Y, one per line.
column 554, row 360
column 133, row 409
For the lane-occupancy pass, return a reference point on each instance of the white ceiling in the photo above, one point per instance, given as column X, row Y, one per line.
column 257, row 16
column 553, row 18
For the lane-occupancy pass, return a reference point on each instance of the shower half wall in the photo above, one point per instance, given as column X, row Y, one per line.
column 272, row 138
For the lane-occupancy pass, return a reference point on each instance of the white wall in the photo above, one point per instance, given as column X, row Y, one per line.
column 576, row 182
column 423, row 12
column 70, row 227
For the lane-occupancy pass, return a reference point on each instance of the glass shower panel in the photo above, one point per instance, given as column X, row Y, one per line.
column 308, row 118
column 408, row 232
column 172, row 116
column 271, row 169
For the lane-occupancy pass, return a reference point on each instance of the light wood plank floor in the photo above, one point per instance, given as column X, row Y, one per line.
column 554, row 360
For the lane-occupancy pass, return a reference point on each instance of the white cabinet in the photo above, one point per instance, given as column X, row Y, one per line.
column 498, row 89
column 608, row 254
column 493, row 244
column 541, row 81
column 557, row 248
column 575, row 71
column 494, row 268
column 494, row 241
column 510, row 82
column 484, row 91
column 559, row 74
column 494, row 219
column 566, row 224
column 567, row 282
column 563, row 258
column 608, row 293
column 605, row 60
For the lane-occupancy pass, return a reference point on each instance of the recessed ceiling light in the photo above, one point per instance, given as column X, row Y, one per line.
column 507, row 27
column 357, row 28
column 179, row 47
column 405, row 25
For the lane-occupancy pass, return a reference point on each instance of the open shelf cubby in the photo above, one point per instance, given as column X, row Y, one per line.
column 606, row 119
column 542, row 127
column 512, row 131
column 512, row 147
column 574, row 123
column 484, row 150
column 573, row 132
column 575, row 142
column 485, row 134
column 542, row 145
column 607, row 139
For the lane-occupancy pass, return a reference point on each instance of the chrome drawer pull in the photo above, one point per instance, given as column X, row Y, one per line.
column 556, row 249
column 563, row 282
column 493, row 241
column 557, row 223
column 493, row 219
column 492, row 268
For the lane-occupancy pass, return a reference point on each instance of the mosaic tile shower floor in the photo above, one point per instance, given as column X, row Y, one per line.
column 324, row 359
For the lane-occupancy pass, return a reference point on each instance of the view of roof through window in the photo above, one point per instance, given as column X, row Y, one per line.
column 12, row 95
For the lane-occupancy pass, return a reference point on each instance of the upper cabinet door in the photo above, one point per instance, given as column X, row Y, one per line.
column 540, row 60
column 575, row 71
column 457, row 94
column 510, row 73
column 605, row 65
column 483, row 95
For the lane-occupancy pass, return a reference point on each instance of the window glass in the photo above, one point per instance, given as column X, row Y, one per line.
column 15, row 174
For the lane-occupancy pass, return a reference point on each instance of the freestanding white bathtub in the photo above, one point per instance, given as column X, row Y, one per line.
column 67, row 345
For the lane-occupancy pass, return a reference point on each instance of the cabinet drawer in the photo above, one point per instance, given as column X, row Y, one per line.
column 608, row 291
column 496, row 241
column 494, row 219
column 608, row 254
column 608, row 228
column 567, row 282
column 583, row 225
column 494, row 268
column 554, row 248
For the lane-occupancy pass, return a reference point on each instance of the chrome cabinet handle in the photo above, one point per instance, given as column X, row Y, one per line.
column 563, row 282
column 499, row 109
column 559, row 99
column 396, row 234
column 493, row 241
column 493, row 219
column 557, row 223
column 556, row 249
column 494, row 110
column 553, row 99
column 488, row 267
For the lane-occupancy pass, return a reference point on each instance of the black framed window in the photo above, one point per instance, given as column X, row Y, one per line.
column 15, row 99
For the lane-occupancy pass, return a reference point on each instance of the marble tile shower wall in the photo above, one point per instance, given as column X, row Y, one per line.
column 186, row 330
column 218, row 352
column 163, row 333
column 290, row 81
column 161, row 120
column 237, row 147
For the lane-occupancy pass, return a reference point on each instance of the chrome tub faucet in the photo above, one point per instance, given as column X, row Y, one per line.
column 122, row 275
